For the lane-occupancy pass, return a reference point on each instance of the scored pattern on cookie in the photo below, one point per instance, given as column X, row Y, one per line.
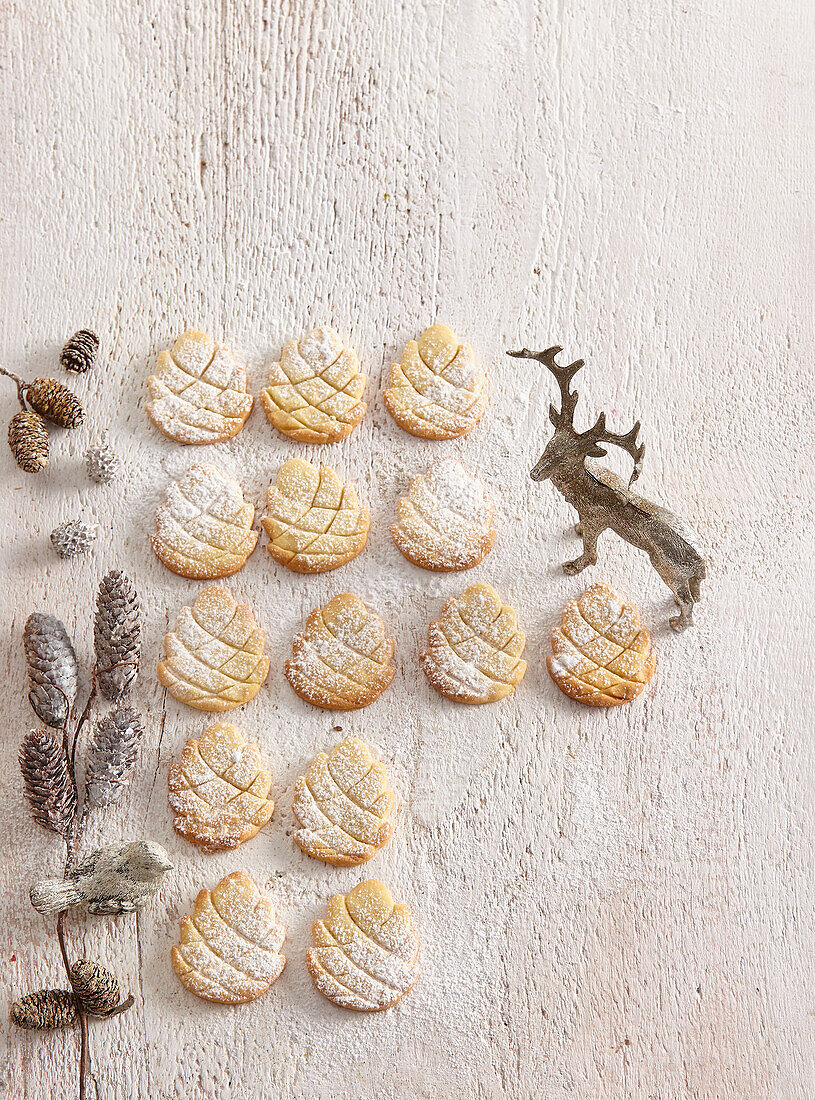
column 343, row 805
column 198, row 393
column 473, row 652
column 215, row 657
column 230, row 946
column 204, row 526
column 341, row 661
column 365, row 953
column 602, row 654
column 315, row 522
column 437, row 391
column 445, row 521
column 219, row 791
column 315, row 392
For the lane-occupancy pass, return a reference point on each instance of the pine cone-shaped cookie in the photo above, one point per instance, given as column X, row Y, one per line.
column 215, row 658
column 343, row 805
column 365, row 953
column 315, row 392
column 28, row 441
column 198, row 393
column 219, row 791
column 445, row 521
column 315, row 522
column 53, row 672
column 437, row 391
column 230, row 946
column 117, row 635
column 473, row 652
column 341, row 661
column 204, row 526
column 602, row 654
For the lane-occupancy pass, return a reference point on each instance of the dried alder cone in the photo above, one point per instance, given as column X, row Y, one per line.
column 79, row 354
column 473, row 652
column 94, row 985
column 315, row 392
column 230, row 946
column 198, row 393
column 343, row 805
column 215, row 659
column 111, row 756
column 45, row 1010
column 53, row 673
column 315, row 521
column 28, row 440
column 49, row 785
column 437, row 391
column 342, row 660
column 117, row 635
column 55, row 402
column 365, row 953
column 219, row 791
column 204, row 526
column 602, row 654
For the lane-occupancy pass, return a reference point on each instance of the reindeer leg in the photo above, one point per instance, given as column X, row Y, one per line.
column 684, row 601
column 590, row 535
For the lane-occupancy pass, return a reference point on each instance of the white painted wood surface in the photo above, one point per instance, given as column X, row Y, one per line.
column 611, row 904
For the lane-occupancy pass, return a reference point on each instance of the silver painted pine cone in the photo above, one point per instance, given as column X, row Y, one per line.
column 112, row 755
column 102, row 462
column 72, row 538
column 117, row 635
column 52, row 668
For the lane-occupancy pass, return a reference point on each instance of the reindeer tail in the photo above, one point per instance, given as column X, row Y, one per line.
column 52, row 895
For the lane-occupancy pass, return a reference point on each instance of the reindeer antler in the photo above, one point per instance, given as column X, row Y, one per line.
column 628, row 442
column 563, row 375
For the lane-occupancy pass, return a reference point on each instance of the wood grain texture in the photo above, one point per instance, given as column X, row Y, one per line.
column 610, row 904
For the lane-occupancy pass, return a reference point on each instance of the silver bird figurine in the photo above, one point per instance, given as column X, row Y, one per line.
column 116, row 879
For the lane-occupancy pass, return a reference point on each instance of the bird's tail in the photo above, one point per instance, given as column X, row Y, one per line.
column 52, row 895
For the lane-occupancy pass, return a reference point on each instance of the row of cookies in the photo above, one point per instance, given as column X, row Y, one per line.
column 364, row 952
column 314, row 393
column 342, row 660
column 316, row 522
column 219, row 793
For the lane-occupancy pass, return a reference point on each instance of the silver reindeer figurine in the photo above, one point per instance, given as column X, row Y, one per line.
column 604, row 501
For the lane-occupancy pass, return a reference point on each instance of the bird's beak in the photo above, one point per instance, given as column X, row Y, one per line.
column 165, row 865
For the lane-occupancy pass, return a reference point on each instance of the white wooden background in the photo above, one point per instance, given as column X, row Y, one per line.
column 612, row 904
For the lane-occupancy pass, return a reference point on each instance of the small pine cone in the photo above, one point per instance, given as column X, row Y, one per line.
column 95, row 986
column 53, row 672
column 72, row 538
column 112, row 755
column 102, row 462
column 79, row 354
column 45, row 1010
column 117, row 635
column 55, row 402
column 49, row 787
column 28, row 440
